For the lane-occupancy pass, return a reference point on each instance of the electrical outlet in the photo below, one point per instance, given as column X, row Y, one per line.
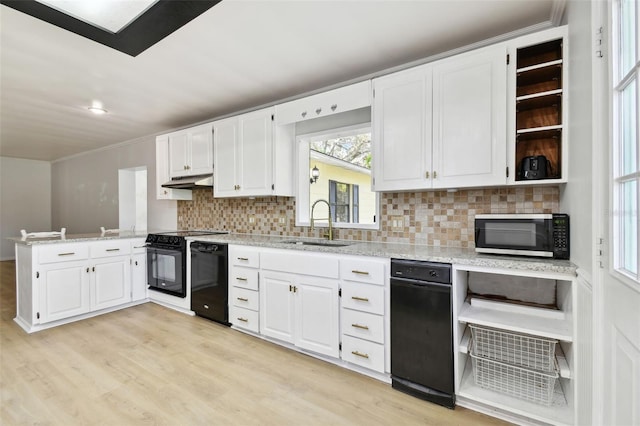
column 252, row 219
column 397, row 223
column 282, row 220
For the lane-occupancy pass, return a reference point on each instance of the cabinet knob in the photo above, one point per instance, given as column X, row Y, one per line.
column 426, row 175
column 304, row 114
column 319, row 110
column 435, row 174
column 333, row 107
column 165, row 192
column 136, row 263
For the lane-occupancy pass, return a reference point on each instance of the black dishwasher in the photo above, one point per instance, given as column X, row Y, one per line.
column 422, row 330
column 209, row 287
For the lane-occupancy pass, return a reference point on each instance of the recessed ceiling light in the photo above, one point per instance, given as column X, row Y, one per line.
column 97, row 110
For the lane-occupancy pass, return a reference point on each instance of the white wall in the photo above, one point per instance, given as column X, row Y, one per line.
column 25, row 200
column 575, row 198
column 85, row 188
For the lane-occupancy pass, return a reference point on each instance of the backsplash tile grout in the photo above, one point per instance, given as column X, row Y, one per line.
column 435, row 218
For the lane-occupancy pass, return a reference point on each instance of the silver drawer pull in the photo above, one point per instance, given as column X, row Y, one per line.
column 360, row 299
column 67, row 254
column 243, row 319
column 113, row 250
column 242, row 299
column 140, row 246
column 243, row 258
column 356, row 353
column 241, row 279
column 362, row 327
column 360, row 272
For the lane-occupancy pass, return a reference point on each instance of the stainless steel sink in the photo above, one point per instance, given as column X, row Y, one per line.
column 318, row 243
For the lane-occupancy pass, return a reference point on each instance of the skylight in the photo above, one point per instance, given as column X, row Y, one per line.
column 110, row 15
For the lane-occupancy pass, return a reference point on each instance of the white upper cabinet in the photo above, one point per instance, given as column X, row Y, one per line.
column 469, row 119
column 162, row 173
column 334, row 101
column 442, row 125
column 252, row 157
column 402, row 130
column 191, row 151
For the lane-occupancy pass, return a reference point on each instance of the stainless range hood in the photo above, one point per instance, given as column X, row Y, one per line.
column 189, row 182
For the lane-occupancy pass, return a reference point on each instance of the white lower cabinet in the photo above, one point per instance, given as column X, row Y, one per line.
column 111, row 282
column 64, row 291
column 302, row 310
column 60, row 281
column 244, row 294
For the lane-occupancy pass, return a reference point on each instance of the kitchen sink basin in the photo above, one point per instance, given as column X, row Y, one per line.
column 318, row 243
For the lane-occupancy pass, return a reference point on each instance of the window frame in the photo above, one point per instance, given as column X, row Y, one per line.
column 619, row 176
column 302, row 166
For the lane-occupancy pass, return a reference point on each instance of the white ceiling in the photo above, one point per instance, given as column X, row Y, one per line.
column 237, row 55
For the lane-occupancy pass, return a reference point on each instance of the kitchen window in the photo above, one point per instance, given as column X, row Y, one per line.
column 626, row 148
column 335, row 165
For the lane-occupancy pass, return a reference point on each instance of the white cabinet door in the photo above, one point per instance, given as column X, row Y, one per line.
column 225, row 142
column 163, row 175
column 276, row 306
column 64, row 291
column 111, row 282
column 178, row 160
column 317, row 313
column 469, row 119
column 138, row 277
column 200, row 160
column 255, row 168
column 402, row 130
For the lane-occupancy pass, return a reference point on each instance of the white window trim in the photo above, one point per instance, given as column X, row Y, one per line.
column 616, row 85
column 303, row 166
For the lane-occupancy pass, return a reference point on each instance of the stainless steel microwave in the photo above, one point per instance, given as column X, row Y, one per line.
column 540, row 235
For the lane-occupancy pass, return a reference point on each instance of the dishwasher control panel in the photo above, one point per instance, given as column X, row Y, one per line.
column 421, row 270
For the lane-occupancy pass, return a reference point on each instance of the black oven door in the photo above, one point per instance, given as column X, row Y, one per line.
column 528, row 236
column 166, row 271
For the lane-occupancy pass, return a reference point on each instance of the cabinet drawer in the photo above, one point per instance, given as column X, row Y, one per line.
column 334, row 101
column 363, row 325
column 63, row 252
column 364, row 353
column 244, row 278
column 110, row 248
column 363, row 297
column 244, row 298
column 244, row 257
column 244, row 318
column 363, row 270
column 138, row 246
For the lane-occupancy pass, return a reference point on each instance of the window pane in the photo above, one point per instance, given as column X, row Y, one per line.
column 627, row 36
column 628, row 129
column 629, row 231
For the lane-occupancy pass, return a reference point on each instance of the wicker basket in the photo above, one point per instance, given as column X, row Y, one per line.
column 523, row 350
column 519, row 382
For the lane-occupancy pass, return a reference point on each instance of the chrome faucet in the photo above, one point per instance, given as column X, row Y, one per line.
column 329, row 234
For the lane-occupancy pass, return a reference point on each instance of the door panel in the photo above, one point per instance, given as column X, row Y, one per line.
column 64, row 292
column 256, row 147
column 112, row 285
column 317, row 315
column 276, row 306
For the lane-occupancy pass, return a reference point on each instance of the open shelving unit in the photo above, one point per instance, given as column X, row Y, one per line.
column 557, row 324
column 539, row 107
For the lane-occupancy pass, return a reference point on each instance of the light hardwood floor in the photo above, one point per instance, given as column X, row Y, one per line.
column 152, row 365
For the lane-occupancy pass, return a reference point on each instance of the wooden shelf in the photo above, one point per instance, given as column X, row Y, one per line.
column 561, row 329
column 557, row 413
column 539, row 66
column 539, row 95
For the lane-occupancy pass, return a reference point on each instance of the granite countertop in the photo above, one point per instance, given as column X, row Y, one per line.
column 75, row 238
column 458, row 256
